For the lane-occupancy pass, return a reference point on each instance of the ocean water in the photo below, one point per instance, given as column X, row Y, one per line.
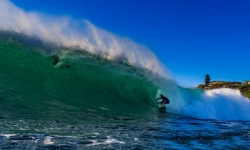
column 67, row 84
column 56, row 97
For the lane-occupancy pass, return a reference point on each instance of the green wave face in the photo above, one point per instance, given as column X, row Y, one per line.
column 35, row 83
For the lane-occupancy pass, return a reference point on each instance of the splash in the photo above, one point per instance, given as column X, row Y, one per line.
column 219, row 104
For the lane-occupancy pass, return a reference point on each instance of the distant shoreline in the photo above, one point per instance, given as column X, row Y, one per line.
column 244, row 88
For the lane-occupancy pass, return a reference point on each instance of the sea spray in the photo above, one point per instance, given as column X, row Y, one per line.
column 219, row 104
column 79, row 33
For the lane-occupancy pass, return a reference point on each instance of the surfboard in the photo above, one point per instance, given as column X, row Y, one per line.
column 162, row 109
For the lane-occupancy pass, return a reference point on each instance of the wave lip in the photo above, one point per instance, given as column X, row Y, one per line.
column 79, row 33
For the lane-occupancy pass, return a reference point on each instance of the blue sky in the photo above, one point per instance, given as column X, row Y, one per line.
column 191, row 38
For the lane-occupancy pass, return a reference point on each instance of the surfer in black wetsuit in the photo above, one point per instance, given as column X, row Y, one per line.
column 57, row 60
column 164, row 101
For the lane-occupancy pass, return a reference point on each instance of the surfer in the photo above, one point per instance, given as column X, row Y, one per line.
column 57, row 60
column 164, row 101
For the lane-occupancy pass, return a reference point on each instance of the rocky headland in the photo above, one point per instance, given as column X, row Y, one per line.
column 244, row 87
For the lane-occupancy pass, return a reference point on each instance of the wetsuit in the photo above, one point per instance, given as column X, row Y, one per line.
column 165, row 100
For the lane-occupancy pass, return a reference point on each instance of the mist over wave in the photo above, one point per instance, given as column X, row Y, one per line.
column 79, row 33
column 220, row 104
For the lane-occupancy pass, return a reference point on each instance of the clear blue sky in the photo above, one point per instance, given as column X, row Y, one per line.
column 191, row 38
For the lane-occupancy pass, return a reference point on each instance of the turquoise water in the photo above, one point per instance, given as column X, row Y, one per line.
column 91, row 84
column 55, row 97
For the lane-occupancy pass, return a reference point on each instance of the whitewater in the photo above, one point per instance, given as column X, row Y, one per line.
column 67, row 84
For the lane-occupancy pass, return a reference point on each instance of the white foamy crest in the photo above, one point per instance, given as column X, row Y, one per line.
column 220, row 104
column 110, row 140
column 83, row 34
column 47, row 140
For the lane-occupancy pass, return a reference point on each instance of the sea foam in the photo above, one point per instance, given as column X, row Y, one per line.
column 219, row 104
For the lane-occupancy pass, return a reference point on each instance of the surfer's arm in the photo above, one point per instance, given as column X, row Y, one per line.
column 158, row 98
